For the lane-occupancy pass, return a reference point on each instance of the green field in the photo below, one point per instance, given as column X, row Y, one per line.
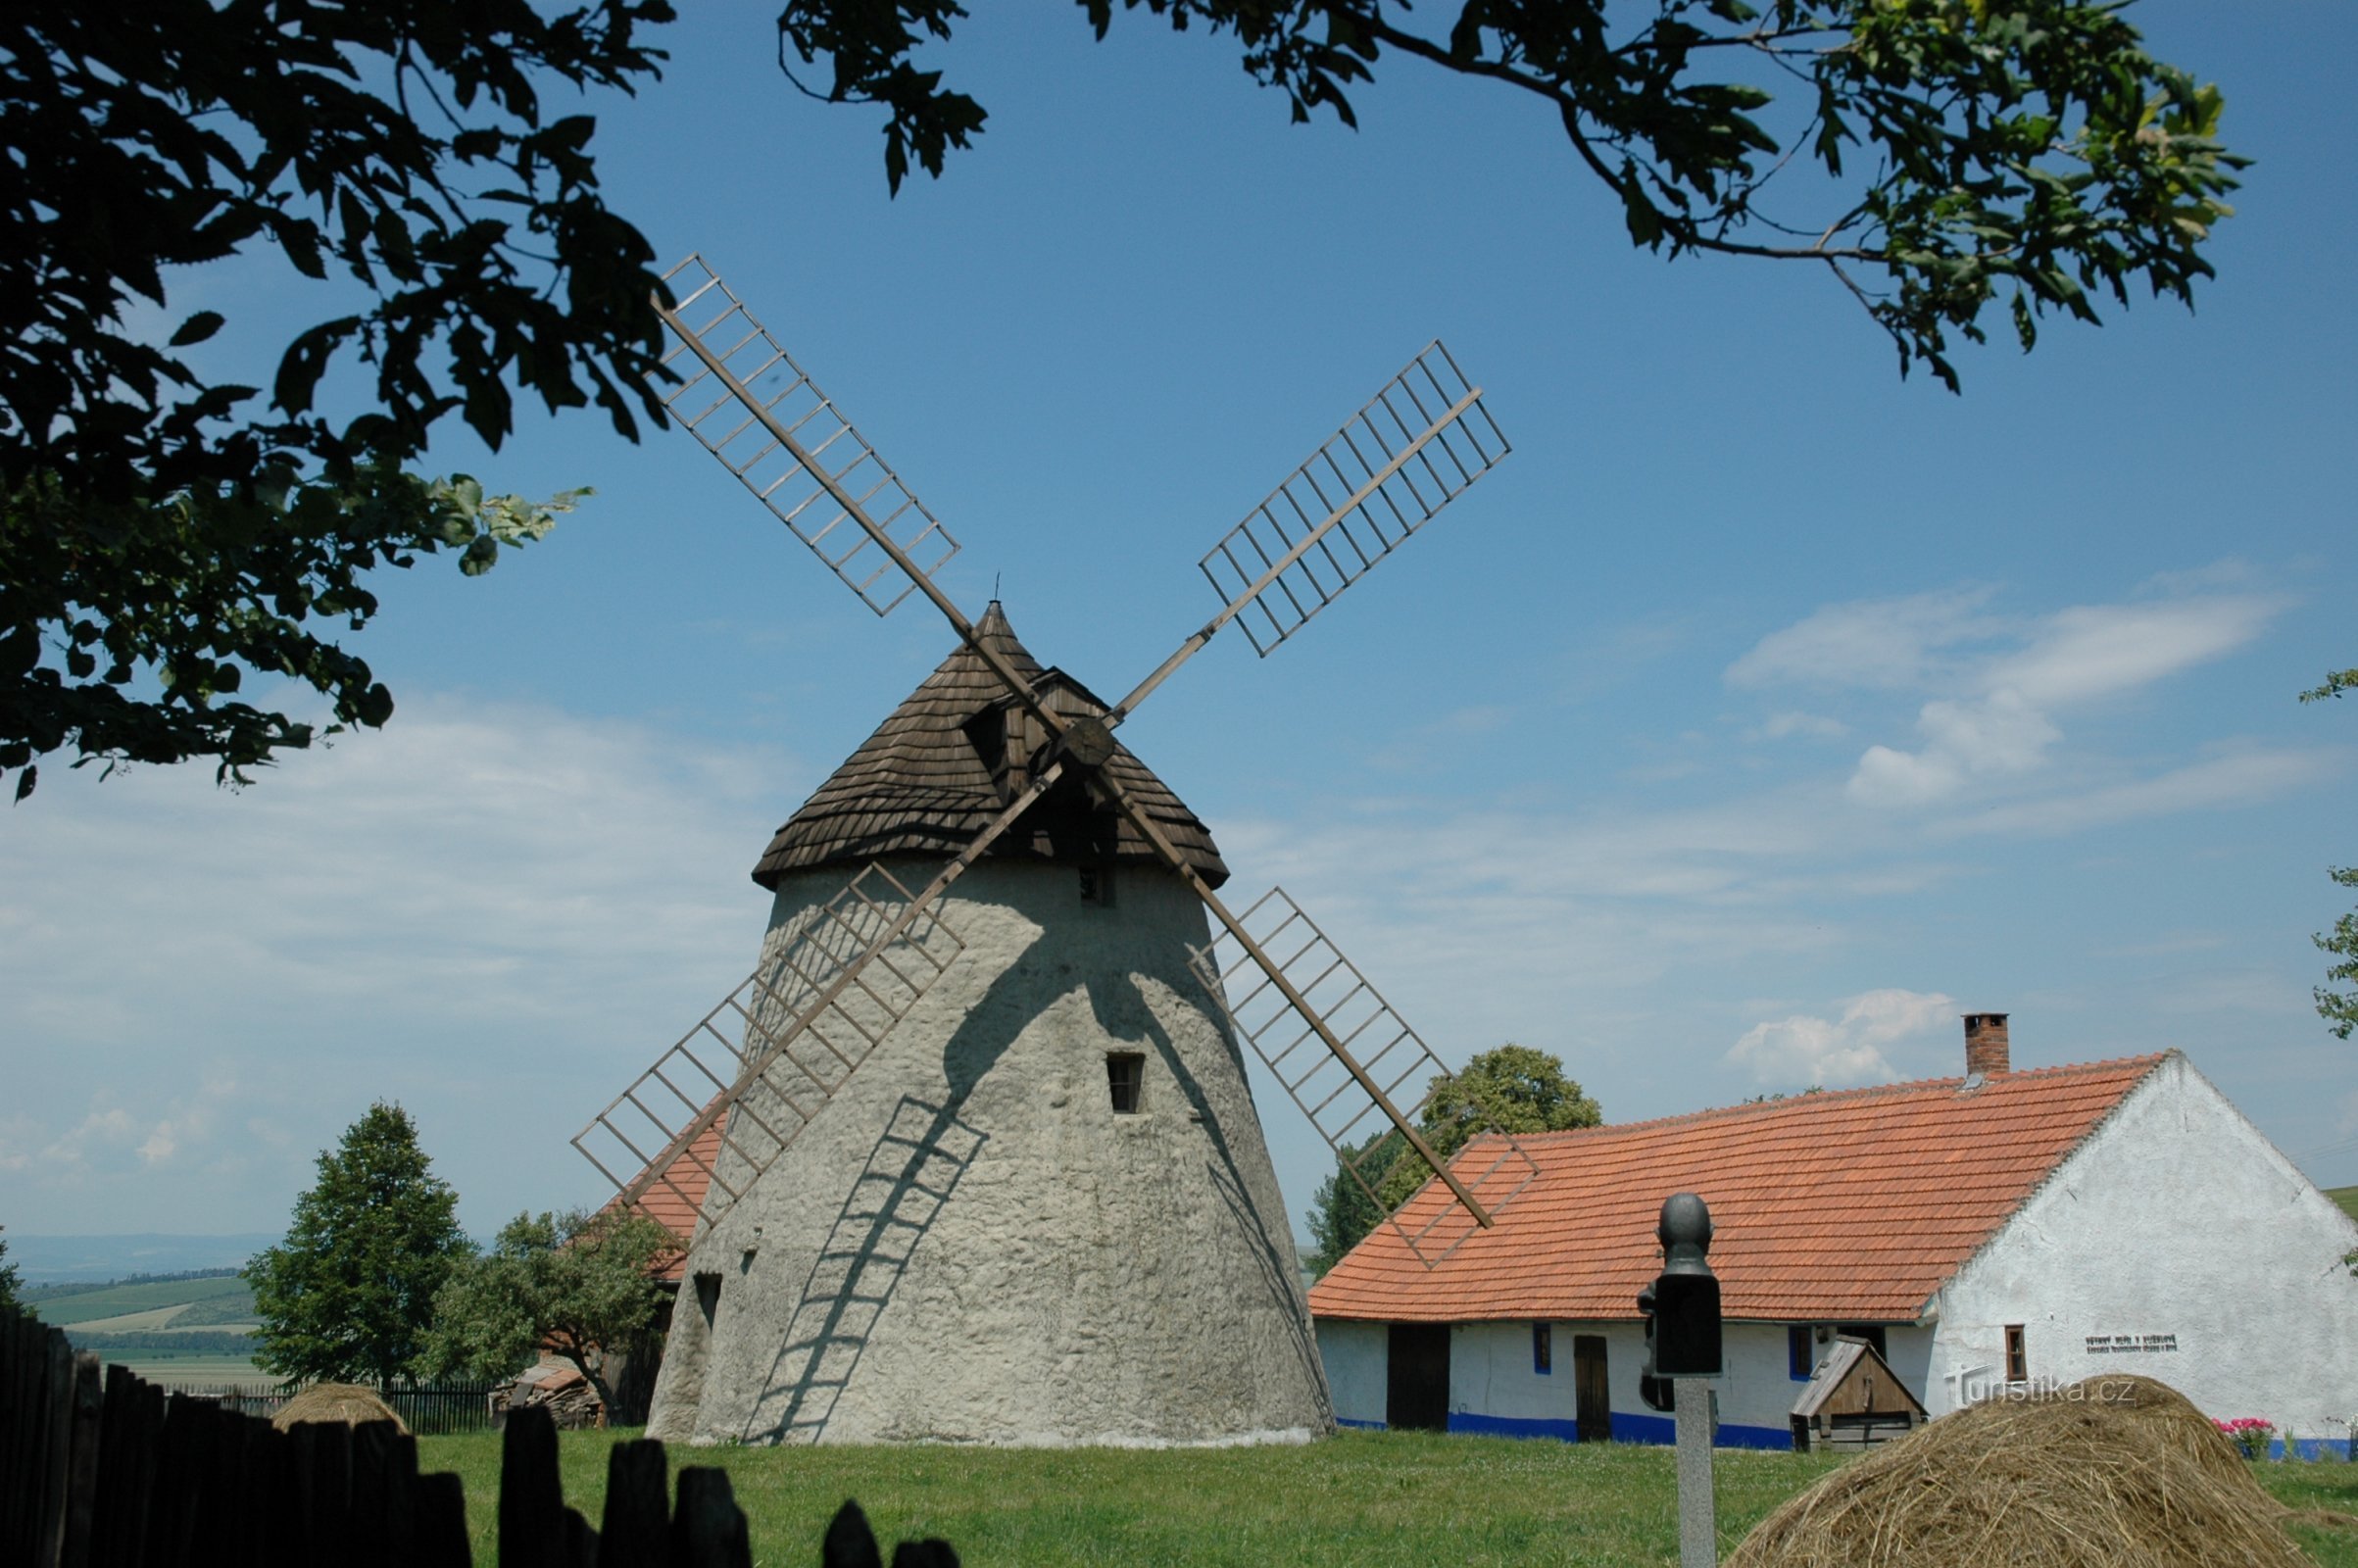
column 2347, row 1198
column 1362, row 1499
column 173, row 1369
column 187, row 1304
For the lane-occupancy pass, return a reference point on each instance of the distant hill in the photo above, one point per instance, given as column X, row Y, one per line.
column 2347, row 1198
column 48, row 1259
column 144, row 1305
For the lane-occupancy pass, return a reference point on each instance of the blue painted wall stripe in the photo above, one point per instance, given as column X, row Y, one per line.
column 1627, row 1427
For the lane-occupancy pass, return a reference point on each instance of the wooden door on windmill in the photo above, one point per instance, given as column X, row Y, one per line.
column 1416, row 1378
column 1591, row 1393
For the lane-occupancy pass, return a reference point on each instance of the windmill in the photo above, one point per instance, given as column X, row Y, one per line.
column 898, row 1069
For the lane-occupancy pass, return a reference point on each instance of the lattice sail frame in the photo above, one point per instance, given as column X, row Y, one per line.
column 750, row 404
column 1337, row 1105
column 1415, row 445
column 760, row 1064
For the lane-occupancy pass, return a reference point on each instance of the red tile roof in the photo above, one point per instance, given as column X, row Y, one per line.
column 674, row 1204
column 1852, row 1206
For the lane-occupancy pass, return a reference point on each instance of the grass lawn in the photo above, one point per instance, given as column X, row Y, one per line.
column 2347, row 1198
column 1362, row 1499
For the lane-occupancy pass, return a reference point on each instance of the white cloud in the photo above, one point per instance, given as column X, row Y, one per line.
column 1802, row 1049
column 1995, row 714
column 1778, row 726
column 2000, row 737
column 1885, row 644
column 494, row 915
column 2243, row 778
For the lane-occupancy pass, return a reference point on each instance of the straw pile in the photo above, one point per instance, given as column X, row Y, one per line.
column 347, row 1403
column 2114, row 1470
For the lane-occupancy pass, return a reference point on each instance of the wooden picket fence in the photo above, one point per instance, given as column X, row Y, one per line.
column 113, row 1472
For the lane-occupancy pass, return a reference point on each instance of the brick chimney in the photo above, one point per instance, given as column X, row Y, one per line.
column 1986, row 1044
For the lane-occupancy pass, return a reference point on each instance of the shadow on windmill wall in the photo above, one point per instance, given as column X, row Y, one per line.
column 1226, row 1179
column 909, row 1173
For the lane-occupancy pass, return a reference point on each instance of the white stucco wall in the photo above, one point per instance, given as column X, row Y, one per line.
column 1357, row 1358
column 2181, row 1231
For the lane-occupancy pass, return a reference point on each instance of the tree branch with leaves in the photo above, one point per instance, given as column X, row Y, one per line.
column 1937, row 157
column 2339, row 1009
column 164, row 536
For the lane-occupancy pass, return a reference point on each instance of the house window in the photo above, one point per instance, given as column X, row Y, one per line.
column 1800, row 1353
column 2018, row 1360
column 1097, row 885
column 1125, row 1076
column 1543, row 1348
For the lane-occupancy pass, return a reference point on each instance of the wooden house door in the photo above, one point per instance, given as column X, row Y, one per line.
column 1590, row 1392
column 1416, row 1378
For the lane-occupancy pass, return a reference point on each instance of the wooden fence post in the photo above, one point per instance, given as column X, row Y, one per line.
column 82, row 1479
column 709, row 1528
column 635, row 1531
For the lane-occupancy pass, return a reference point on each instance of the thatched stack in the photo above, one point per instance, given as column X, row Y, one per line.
column 2114, row 1471
column 347, row 1403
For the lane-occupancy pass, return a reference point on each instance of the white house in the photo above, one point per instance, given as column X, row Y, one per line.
column 1996, row 1231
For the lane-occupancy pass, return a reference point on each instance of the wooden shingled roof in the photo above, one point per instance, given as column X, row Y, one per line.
column 1853, row 1206
column 951, row 756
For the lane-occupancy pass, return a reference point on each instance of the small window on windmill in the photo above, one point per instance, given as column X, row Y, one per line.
column 2018, row 1360
column 1097, row 884
column 1125, row 1076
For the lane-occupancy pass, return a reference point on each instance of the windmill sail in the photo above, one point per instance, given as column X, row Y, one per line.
column 750, row 405
column 762, row 1063
column 1411, row 451
column 1349, row 1110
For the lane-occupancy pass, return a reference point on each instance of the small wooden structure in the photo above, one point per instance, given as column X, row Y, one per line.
column 1853, row 1400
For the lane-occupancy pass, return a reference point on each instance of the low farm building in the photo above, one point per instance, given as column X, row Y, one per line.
column 1994, row 1232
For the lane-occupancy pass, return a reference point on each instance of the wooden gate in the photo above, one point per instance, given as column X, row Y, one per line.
column 1416, row 1378
column 1591, row 1391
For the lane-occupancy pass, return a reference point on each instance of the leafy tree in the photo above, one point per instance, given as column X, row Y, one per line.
column 8, row 1301
column 581, row 1284
column 2339, row 1009
column 1964, row 150
column 349, row 1293
column 1512, row 1089
column 163, row 535
column 1341, row 1211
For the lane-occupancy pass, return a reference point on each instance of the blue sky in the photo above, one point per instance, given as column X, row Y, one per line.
column 1760, row 714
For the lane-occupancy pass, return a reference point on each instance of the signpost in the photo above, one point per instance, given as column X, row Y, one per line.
column 1682, row 1355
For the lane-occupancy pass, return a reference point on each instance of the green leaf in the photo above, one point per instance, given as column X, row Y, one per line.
column 198, row 328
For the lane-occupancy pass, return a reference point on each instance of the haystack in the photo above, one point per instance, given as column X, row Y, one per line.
column 347, row 1403
column 2114, row 1470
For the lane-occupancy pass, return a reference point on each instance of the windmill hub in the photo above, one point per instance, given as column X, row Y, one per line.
column 1088, row 741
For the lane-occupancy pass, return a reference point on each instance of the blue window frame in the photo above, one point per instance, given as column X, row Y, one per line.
column 1800, row 1348
column 1543, row 1348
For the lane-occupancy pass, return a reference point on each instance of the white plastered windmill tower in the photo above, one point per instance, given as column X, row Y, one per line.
column 971, row 1156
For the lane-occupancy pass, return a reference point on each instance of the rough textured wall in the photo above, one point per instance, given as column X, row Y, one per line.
column 2177, row 1242
column 967, row 1244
